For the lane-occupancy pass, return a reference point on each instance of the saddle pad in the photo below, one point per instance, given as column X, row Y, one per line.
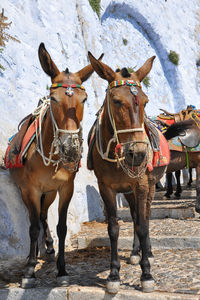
column 17, row 161
column 161, row 157
column 168, row 122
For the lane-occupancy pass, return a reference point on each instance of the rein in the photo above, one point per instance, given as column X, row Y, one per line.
column 119, row 159
column 75, row 135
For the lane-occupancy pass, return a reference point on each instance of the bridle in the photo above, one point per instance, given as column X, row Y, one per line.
column 57, row 144
column 119, row 156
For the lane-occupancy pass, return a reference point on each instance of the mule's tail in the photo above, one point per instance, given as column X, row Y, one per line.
column 178, row 128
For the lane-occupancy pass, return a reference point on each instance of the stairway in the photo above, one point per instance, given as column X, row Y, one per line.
column 173, row 225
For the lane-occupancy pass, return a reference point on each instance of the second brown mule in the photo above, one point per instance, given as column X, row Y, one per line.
column 119, row 158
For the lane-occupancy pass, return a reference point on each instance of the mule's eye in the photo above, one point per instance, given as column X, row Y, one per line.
column 53, row 99
column 84, row 100
column 117, row 102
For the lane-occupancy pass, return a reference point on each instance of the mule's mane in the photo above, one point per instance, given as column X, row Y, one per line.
column 67, row 71
column 124, row 72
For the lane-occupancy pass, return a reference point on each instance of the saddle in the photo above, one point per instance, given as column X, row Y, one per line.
column 19, row 143
column 167, row 119
column 171, row 118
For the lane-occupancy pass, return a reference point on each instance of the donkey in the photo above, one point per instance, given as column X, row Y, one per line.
column 119, row 158
column 163, row 120
column 52, row 160
column 189, row 131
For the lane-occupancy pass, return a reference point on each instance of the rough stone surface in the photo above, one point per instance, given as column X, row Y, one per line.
column 175, row 270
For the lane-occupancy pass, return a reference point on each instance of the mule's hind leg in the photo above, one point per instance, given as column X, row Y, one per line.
column 46, row 201
column 135, row 254
column 109, row 198
column 32, row 201
column 178, row 184
column 190, row 177
column 169, row 185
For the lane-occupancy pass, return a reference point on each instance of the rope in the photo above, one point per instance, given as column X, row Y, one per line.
column 39, row 113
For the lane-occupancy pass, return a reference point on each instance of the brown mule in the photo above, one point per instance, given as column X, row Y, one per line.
column 189, row 131
column 119, row 158
column 53, row 160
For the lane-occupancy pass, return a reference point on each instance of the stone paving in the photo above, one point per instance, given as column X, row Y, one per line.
column 175, row 270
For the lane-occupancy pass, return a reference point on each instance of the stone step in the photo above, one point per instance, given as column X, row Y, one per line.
column 167, row 208
column 162, row 212
column 164, row 234
column 85, row 293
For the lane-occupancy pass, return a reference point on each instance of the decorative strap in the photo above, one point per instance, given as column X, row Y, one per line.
column 117, row 83
column 55, row 85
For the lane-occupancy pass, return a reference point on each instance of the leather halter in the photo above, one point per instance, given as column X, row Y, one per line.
column 115, row 139
column 114, row 84
column 75, row 134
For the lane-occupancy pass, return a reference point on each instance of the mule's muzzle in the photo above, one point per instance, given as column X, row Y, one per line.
column 135, row 154
column 70, row 148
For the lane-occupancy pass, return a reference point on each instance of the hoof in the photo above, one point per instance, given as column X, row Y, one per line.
column 151, row 260
column 28, row 283
column 112, row 287
column 147, row 286
column 166, row 197
column 135, row 259
column 63, row 280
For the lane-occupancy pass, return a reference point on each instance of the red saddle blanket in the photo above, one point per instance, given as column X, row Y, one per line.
column 16, row 161
column 161, row 157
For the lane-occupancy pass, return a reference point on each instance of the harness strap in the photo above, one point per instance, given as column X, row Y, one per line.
column 187, row 159
column 117, row 83
column 55, row 85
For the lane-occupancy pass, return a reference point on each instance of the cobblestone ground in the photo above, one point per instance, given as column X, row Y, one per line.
column 174, row 270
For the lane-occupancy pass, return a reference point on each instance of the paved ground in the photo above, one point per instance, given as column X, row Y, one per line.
column 176, row 269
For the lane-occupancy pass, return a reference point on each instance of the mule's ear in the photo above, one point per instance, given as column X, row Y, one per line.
column 102, row 69
column 86, row 72
column 145, row 69
column 46, row 62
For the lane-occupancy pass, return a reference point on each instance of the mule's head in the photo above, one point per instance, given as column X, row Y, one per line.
column 67, row 97
column 126, row 102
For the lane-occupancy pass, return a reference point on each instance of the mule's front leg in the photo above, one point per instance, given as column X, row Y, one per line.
column 32, row 201
column 109, row 198
column 65, row 196
column 197, row 205
column 142, row 230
